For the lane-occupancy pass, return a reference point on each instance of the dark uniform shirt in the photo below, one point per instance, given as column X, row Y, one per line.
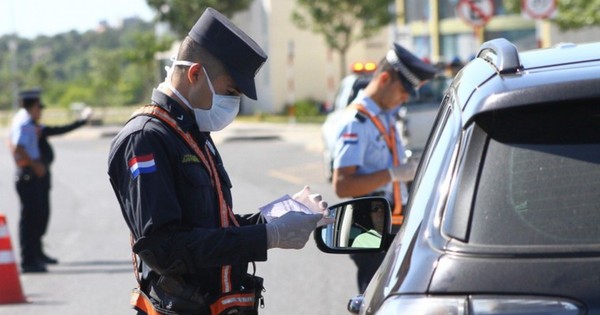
column 167, row 200
column 46, row 151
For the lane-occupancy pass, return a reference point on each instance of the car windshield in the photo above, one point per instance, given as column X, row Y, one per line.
column 540, row 176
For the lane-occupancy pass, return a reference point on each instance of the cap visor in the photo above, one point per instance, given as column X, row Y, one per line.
column 245, row 84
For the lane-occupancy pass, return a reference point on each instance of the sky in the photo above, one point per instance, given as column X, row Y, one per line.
column 31, row 18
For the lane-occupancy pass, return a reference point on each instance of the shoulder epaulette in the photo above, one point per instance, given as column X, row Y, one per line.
column 361, row 117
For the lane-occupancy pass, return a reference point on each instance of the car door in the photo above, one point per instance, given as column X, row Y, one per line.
column 406, row 267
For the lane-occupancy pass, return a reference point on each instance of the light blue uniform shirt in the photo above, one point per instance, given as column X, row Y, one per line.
column 23, row 132
column 359, row 143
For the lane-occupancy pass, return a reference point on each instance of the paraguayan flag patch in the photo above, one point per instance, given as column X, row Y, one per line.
column 142, row 164
column 350, row 138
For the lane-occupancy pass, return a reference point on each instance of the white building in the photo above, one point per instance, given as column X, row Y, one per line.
column 312, row 73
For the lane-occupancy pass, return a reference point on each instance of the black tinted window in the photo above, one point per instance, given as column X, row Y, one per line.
column 540, row 177
column 432, row 92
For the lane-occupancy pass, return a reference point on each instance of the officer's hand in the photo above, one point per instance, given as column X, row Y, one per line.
column 314, row 202
column 291, row 230
column 86, row 113
column 405, row 172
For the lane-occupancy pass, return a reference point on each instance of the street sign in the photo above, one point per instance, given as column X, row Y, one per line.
column 538, row 9
column 475, row 12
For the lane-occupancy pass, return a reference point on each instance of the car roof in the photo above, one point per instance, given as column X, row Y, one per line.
column 505, row 78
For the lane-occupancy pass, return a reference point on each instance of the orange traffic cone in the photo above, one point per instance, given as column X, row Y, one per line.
column 10, row 290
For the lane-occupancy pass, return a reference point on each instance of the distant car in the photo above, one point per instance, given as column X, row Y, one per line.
column 418, row 114
column 415, row 118
column 504, row 212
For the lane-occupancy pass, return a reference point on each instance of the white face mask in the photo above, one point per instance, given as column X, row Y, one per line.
column 224, row 108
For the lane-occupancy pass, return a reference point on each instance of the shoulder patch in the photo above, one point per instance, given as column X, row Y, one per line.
column 141, row 164
column 360, row 117
column 350, row 138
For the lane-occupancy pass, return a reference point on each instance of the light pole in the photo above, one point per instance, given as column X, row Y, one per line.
column 13, row 46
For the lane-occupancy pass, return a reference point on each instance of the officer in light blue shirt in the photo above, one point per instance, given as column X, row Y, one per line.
column 358, row 136
column 23, row 132
column 29, row 173
column 369, row 158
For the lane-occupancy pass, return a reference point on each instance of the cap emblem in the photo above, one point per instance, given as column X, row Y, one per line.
column 394, row 61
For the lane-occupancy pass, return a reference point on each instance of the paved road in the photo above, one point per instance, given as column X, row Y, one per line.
column 91, row 240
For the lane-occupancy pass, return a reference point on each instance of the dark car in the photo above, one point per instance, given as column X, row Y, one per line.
column 504, row 213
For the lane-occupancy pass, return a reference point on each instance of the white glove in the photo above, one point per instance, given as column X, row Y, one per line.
column 291, row 230
column 405, row 172
column 314, row 202
column 86, row 113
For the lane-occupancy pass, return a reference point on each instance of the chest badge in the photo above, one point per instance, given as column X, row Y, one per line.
column 189, row 158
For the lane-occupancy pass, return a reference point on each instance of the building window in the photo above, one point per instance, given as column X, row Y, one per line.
column 417, row 11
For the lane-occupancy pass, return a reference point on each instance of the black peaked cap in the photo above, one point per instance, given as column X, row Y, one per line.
column 239, row 53
column 412, row 70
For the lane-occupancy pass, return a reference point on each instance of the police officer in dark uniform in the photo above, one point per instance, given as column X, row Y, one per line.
column 370, row 159
column 47, row 157
column 23, row 142
column 192, row 251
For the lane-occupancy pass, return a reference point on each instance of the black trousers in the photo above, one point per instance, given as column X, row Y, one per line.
column 45, row 200
column 30, row 190
column 367, row 266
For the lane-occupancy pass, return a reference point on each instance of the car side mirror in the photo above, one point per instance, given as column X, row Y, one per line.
column 359, row 225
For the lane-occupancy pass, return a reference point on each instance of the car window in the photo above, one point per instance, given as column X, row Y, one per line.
column 540, row 176
column 431, row 92
column 343, row 92
column 359, row 85
column 436, row 160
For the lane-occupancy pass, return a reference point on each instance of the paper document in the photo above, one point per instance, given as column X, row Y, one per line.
column 281, row 206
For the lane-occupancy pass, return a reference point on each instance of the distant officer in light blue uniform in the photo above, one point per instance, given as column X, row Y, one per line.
column 23, row 131
column 29, row 173
column 369, row 158
column 361, row 144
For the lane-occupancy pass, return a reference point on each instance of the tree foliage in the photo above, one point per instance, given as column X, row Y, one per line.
column 181, row 15
column 572, row 14
column 114, row 67
column 342, row 22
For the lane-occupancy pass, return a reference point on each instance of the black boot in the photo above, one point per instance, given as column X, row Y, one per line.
column 33, row 267
column 47, row 259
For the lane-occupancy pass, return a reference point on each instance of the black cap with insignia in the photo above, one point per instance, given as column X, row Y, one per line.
column 239, row 53
column 413, row 71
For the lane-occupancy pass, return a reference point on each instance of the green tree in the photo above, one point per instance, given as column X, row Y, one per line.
column 183, row 14
column 141, row 74
column 572, row 14
column 105, row 72
column 114, row 67
column 38, row 75
column 342, row 22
